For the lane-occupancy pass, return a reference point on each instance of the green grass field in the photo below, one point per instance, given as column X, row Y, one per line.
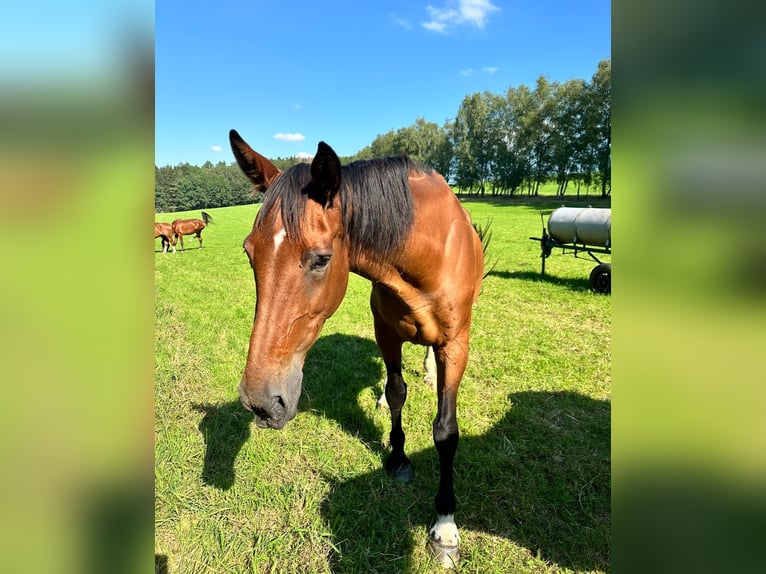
column 532, row 472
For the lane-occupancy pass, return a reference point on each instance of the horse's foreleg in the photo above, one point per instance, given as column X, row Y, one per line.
column 443, row 538
column 429, row 366
column 181, row 239
column 397, row 464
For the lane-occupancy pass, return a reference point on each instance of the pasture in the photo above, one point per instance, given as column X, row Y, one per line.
column 532, row 471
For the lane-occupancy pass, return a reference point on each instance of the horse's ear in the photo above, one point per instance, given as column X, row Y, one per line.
column 257, row 168
column 325, row 173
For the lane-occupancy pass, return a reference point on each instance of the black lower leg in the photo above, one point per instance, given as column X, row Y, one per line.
column 446, row 437
column 396, row 394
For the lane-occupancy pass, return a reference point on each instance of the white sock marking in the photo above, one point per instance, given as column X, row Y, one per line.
column 445, row 531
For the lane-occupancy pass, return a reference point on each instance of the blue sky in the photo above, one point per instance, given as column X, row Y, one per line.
column 287, row 74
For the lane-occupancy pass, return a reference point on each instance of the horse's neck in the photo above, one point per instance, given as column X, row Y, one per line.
column 372, row 269
column 385, row 273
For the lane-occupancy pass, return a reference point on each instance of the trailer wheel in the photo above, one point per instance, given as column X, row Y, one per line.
column 601, row 278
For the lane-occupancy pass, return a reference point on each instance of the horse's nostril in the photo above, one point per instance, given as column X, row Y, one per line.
column 260, row 413
column 279, row 401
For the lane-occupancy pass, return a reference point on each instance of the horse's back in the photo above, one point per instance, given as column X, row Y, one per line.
column 187, row 226
column 428, row 296
column 162, row 229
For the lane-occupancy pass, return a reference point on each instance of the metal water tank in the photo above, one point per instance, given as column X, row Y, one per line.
column 584, row 225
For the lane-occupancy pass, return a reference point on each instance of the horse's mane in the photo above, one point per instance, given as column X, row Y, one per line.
column 375, row 198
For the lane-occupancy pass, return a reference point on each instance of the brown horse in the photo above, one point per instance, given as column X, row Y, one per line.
column 165, row 231
column 183, row 227
column 399, row 225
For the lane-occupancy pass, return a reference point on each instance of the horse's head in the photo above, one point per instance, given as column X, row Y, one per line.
column 299, row 256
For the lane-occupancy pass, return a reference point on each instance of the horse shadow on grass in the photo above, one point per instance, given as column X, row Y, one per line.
column 578, row 284
column 225, row 428
column 338, row 368
column 540, row 477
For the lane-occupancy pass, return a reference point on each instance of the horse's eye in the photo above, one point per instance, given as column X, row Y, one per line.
column 320, row 262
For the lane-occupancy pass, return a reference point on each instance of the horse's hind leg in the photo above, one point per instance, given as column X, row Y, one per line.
column 429, row 366
column 199, row 236
column 443, row 538
column 390, row 345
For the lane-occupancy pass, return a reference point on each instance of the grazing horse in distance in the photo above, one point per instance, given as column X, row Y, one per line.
column 183, row 227
column 396, row 223
column 165, row 230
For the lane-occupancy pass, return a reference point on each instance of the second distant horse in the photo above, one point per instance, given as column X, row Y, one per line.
column 183, row 227
column 165, row 231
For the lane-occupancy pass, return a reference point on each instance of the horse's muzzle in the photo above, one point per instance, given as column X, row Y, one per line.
column 273, row 417
column 273, row 404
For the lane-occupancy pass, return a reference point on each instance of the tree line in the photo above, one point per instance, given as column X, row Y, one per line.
column 498, row 144
column 186, row 187
column 513, row 143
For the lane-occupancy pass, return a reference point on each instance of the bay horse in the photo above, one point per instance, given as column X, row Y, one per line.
column 165, row 231
column 183, row 227
column 394, row 222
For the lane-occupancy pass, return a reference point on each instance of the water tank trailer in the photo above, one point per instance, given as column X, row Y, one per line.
column 581, row 230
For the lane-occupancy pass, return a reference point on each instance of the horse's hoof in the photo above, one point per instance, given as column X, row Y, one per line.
column 445, row 556
column 402, row 474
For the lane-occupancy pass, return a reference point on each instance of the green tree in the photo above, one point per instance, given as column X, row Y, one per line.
column 599, row 121
column 520, row 136
column 472, row 135
column 567, row 138
column 541, row 126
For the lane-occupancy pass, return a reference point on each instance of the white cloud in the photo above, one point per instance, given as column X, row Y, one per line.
column 435, row 26
column 296, row 137
column 468, row 12
column 304, row 155
column 440, row 19
column 476, row 12
column 215, row 148
column 402, row 22
column 466, row 72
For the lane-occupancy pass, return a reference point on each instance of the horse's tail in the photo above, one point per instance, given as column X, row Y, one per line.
column 485, row 236
column 206, row 218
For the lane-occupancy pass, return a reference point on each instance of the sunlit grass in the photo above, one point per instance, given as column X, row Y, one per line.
column 532, row 472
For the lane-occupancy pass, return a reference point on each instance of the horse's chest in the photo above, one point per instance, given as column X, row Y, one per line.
column 411, row 315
